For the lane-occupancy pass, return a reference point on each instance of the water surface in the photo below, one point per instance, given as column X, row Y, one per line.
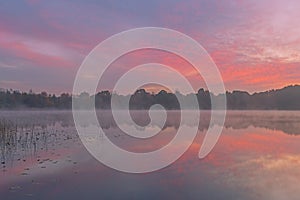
column 257, row 157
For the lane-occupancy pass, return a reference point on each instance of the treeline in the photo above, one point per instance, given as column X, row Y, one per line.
column 287, row 98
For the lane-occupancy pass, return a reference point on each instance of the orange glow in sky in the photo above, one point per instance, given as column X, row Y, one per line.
column 256, row 45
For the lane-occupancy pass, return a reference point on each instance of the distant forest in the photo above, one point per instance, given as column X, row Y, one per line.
column 287, row 98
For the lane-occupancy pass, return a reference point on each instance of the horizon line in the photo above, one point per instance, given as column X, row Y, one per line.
column 152, row 93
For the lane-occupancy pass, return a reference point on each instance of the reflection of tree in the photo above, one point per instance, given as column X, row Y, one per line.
column 286, row 121
column 25, row 133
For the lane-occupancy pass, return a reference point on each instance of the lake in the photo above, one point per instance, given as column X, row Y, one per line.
column 256, row 157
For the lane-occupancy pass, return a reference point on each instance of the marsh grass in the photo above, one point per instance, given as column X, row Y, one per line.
column 8, row 139
column 22, row 138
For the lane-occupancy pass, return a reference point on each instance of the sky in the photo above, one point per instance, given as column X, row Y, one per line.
column 255, row 44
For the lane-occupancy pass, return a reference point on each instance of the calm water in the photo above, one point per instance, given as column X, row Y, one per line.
column 257, row 157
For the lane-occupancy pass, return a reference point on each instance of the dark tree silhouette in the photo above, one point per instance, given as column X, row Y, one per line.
column 287, row 98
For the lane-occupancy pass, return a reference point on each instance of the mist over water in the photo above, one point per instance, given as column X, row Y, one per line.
column 257, row 157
